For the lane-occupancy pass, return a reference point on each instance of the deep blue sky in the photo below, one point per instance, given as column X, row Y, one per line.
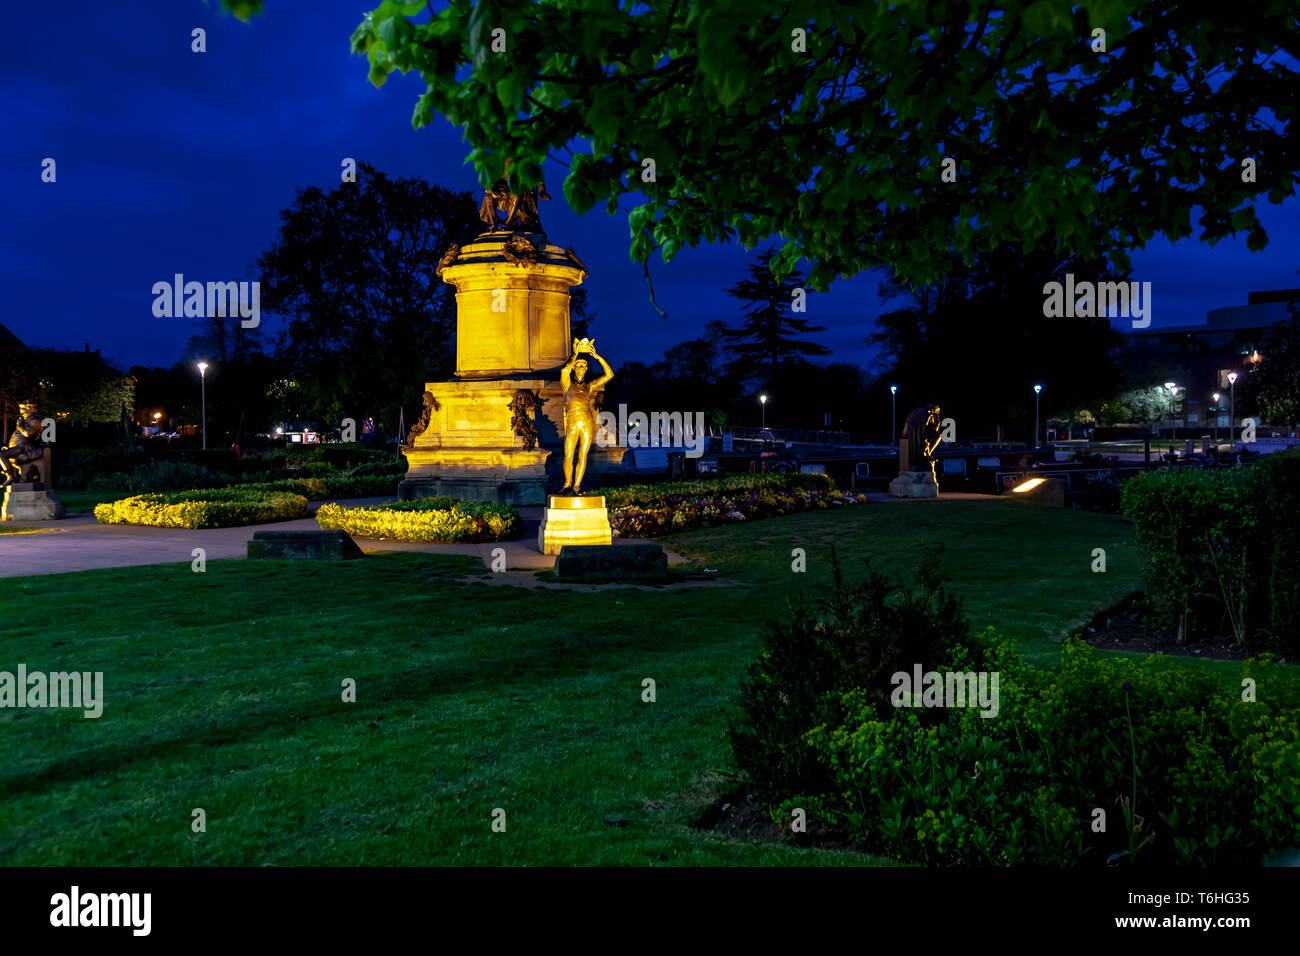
column 171, row 161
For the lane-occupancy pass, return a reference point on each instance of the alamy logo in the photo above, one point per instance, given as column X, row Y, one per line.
column 74, row 689
column 196, row 300
column 1094, row 300
column 656, row 430
column 946, row 689
column 103, row 909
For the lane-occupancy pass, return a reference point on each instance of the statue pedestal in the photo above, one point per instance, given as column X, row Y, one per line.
column 573, row 519
column 22, row 502
column 914, row 484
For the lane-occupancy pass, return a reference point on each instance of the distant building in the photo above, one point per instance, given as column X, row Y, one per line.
column 1200, row 357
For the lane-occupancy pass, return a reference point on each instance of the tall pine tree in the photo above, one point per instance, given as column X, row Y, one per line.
column 773, row 337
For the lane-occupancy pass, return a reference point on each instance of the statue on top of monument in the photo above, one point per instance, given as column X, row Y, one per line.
column 24, row 446
column 520, row 211
column 580, row 411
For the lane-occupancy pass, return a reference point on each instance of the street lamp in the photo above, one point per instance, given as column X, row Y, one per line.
column 762, row 400
column 1232, row 414
column 203, row 391
column 1173, row 428
column 893, row 415
column 1037, row 391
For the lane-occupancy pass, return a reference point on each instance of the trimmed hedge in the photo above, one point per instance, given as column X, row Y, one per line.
column 204, row 508
column 440, row 520
column 332, row 486
column 1221, row 550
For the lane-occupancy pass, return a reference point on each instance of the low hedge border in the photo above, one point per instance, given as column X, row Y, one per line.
column 432, row 520
column 204, row 508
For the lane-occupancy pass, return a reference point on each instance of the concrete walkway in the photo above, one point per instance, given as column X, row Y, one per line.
column 80, row 543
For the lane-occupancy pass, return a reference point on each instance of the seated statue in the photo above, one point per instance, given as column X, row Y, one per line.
column 24, row 446
column 520, row 211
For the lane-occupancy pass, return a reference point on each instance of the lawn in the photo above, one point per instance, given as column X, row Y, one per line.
column 223, row 692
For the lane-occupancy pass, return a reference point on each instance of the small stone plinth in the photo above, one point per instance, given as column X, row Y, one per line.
column 1042, row 492
column 574, row 519
column 22, row 502
column 914, row 484
column 622, row 562
column 304, row 545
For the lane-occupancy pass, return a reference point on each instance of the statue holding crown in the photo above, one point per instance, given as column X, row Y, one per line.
column 580, row 411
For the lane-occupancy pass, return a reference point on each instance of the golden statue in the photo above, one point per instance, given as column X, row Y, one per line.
column 25, row 446
column 580, row 411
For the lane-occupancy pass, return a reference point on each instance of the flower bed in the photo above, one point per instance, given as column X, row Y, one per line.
column 439, row 520
column 204, row 508
column 643, row 511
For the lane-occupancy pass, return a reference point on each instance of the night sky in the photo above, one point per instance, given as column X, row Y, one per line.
column 173, row 161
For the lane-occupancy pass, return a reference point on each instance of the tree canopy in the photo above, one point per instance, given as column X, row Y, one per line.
column 1085, row 130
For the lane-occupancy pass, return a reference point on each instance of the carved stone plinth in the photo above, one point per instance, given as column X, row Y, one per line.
column 574, row 519
column 914, row 484
column 22, row 502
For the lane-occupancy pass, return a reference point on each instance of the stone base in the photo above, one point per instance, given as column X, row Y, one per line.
column 574, row 519
column 914, row 484
column 22, row 502
column 334, row 545
column 624, row 562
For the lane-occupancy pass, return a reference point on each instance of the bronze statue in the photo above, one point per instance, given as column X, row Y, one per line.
column 25, row 446
column 520, row 211
column 921, row 433
column 580, row 411
column 448, row 257
column 521, row 416
column 419, row 428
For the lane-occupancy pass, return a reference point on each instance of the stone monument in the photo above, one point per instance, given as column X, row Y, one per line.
column 916, row 477
column 25, row 461
column 495, row 432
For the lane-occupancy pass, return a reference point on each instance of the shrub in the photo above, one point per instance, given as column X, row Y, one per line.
column 1202, row 545
column 335, row 485
column 648, row 510
column 1280, row 481
column 646, row 495
column 425, row 519
column 204, row 508
column 856, row 638
column 1186, row 772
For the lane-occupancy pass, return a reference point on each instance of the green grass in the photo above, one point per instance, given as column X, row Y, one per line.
column 79, row 502
column 223, row 692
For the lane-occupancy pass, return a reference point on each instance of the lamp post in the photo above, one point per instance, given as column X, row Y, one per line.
column 1217, row 396
column 1232, row 400
column 1037, row 391
column 203, row 391
column 762, row 400
column 893, row 415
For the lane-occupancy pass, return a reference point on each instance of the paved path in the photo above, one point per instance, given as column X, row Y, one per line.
column 80, row 543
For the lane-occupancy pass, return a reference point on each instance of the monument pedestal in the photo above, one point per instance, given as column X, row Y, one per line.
column 914, row 484
column 22, row 502
column 512, row 338
column 573, row 519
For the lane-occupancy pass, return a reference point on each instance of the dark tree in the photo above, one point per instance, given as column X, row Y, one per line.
column 978, row 341
column 353, row 275
column 772, row 337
